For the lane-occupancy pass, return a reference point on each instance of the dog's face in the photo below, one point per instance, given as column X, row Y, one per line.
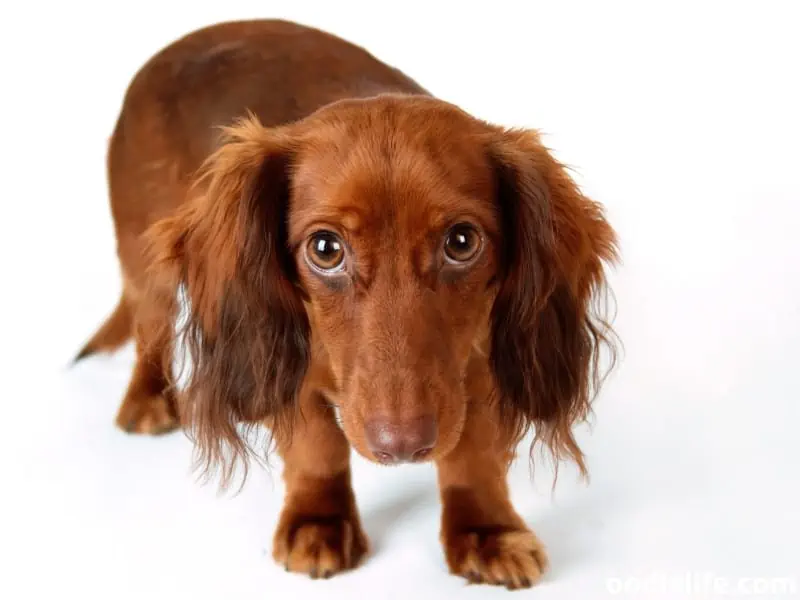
column 376, row 252
column 394, row 231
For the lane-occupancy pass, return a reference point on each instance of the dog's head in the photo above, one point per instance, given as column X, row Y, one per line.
column 393, row 244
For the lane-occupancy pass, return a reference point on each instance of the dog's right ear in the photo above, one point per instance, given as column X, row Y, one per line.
column 245, row 332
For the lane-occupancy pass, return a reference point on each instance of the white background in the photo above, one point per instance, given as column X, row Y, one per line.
column 681, row 118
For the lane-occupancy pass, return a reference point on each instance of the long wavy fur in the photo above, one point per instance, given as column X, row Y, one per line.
column 244, row 332
column 549, row 320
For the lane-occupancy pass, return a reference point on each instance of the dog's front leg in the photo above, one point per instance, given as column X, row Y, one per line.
column 319, row 532
column 484, row 538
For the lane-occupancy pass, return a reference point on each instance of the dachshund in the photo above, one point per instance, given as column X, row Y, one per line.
column 347, row 260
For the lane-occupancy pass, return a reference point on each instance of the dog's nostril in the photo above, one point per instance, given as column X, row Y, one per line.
column 384, row 457
column 421, row 454
column 398, row 441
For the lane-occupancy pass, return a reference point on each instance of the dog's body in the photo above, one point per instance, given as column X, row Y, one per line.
column 354, row 243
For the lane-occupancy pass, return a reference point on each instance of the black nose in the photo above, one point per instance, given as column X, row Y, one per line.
column 393, row 441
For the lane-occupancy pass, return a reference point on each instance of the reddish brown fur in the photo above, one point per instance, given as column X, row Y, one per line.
column 317, row 134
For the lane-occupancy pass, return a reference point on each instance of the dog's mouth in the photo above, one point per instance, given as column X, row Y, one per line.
column 337, row 414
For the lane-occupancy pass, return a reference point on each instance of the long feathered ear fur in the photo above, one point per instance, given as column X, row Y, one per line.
column 548, row 326
column 246, row 334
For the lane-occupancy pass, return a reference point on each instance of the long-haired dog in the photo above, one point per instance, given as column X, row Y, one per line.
column 363, row 265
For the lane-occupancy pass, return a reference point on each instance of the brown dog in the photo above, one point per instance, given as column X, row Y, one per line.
column 363, row 265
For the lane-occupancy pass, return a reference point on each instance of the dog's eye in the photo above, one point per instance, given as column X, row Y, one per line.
column 325, row 251
column 462, row 243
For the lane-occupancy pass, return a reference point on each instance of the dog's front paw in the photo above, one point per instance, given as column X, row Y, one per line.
column 317, row 545
column 500, row 556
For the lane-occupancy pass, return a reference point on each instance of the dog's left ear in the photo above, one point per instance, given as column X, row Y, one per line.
column 546, row 333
